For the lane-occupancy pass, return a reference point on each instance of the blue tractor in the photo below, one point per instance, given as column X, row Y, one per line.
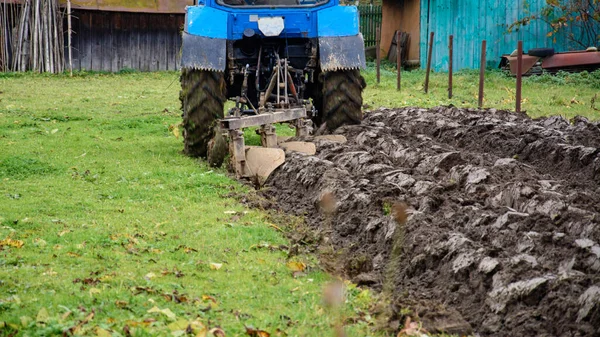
column 293, row 61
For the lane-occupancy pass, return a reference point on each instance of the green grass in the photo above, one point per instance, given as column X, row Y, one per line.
column 114, row 221
column 100, row 213
column 564, row 94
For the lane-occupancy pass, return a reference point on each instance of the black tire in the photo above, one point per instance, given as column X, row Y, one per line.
column 202, row 96
column 541, row 52
column 341, row 99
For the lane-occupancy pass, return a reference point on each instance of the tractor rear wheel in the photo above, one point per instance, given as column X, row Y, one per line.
column 202, row 97
column 341, row 99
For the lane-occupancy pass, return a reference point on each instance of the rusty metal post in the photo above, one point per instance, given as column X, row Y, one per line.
column 378, row 53
column 428, row 69
column 450, row 52
column 398, row 61
column 519, row 75
column 482, row 73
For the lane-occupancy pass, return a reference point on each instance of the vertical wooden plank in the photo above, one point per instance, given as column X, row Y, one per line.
column 88, row 40
column 95, row 42
column 154, row 39
column 76, row 41
column 162, row 41
column 143, row 64
column 115, row 32
column 180, row 22
column 424, row 32
column 169, row 42
column 132, row 51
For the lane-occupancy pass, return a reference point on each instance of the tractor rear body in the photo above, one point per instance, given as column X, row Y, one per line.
column 291, row 61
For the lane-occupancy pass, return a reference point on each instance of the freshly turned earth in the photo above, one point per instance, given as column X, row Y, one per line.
column 502, row 236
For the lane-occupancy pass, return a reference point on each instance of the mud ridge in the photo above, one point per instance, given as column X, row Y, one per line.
column 503, row 233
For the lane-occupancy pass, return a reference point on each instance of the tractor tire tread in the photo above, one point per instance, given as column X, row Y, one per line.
column 342, row 98
column 202, row 101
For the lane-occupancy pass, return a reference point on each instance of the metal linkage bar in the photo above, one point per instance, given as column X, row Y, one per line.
column 232, row 123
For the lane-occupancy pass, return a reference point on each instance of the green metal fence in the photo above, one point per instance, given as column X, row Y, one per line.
column 370, row 19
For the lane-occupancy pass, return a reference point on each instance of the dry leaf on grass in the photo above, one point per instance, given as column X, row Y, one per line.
column 12, row 243
column 217, row 332
column 215, row 266
column 253, row 332
column 167, row 312
column 296, row 266
column 412, row 329
column 102, row 333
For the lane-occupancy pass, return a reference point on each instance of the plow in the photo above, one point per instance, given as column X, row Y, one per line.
column 282, row 62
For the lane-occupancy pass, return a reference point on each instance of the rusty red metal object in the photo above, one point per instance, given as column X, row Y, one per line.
column 527, row 63
column 567, row 61
column 571, row 59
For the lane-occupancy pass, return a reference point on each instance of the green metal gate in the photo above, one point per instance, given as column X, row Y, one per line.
column 370, row 19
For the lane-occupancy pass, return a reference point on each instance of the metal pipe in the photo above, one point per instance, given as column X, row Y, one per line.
column 270, row 87
column 278, row 79
column 285, row 78
column 257, row 83
column 292, row 86
column 450, row 55
column 428, row 68
column 482, row 73
column 519, row 75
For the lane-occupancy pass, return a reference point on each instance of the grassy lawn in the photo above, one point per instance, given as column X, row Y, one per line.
column 565, row 94
column 106, row 229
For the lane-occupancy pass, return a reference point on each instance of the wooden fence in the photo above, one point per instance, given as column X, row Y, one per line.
column 112, row 41
column 370, row 19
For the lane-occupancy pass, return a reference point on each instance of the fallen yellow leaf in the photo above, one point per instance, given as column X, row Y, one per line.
column 102, row 333
column 25, row 320
column 94, row 291
column 42, row 316
column 215, row 266
column 167, row 312
column 61, row 233
column 296, row 266
column 12, row 243
column 181, row 324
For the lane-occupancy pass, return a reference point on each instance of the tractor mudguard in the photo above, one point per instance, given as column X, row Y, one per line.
column 342, row 52
column 204, row 53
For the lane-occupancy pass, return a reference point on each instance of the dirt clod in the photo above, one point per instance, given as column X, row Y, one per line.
column 500, row 228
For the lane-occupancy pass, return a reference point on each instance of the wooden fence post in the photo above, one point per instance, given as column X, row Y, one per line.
column 428, row 68
column 398, row 61
column 482, row 73
column 378, row 53
column 519, row 75
column 450, row 52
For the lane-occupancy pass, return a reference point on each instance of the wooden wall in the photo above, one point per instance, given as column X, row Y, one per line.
column 403, row 15
column 112, row 41
column 145, row 6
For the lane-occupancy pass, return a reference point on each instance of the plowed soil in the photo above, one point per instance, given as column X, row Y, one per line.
column 503, row 229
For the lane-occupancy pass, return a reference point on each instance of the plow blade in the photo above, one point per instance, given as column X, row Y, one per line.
column 261, row 162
